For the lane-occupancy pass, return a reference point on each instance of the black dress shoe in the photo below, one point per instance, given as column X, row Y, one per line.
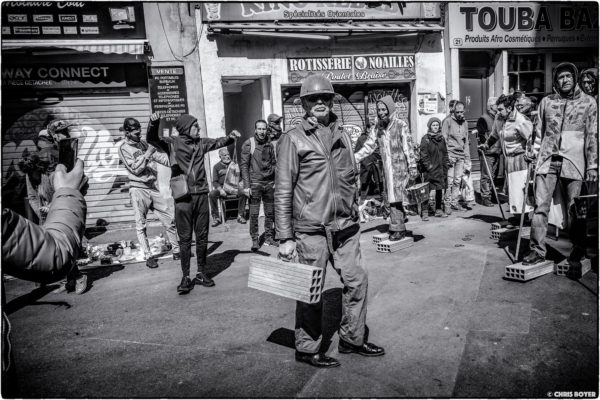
column 202, row 279
column 185, row 286
column 533, row 258
column 367, row 349
column 318, row 360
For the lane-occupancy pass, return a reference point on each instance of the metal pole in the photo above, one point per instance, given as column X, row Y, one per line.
column 523, row 211
column 487, row 168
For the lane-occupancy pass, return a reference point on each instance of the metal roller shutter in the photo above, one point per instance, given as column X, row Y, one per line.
column 96, row 118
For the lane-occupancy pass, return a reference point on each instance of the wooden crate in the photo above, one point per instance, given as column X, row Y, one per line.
column 562, row 267
column 292, row 280
column 520, row 272
column 380, row 237
column 388, row 246
column 504, row 233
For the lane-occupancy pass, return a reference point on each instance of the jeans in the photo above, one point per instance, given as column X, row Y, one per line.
column 455, row 173
column 214, row 196
column 342, row 250
column 191, row 214
column 493, row 162
column 262, row 191
column 143, row 200
column 397, row 217
column 544, row 189
column 436, row 199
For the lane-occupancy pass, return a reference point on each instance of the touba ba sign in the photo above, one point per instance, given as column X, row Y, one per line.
column 514, row 25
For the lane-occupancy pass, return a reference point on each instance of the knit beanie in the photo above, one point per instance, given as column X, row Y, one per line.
column 431, row 121
column 389, row 103
column 184, row 124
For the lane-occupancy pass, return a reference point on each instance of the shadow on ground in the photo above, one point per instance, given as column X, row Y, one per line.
column 31, row 299
column 217, row 263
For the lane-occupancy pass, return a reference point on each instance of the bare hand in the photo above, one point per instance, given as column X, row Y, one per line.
column 155, row 117
column 529, row 157
column 71, row 180
column 151, row 150
column 483, row 147
column 222, row 192
column 44, row 209
column 235, row 134
column 287, row 250
column 248, row 192
column 591, row 175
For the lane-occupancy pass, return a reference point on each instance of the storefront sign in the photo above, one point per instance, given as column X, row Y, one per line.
column 399, row 10
column 63, row 76
column 378, row 67
column 523, row 25
column 72, row 20
column 168, row 95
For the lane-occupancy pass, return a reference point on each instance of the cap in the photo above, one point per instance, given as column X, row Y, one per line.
column 130, row 125
column 273, row 118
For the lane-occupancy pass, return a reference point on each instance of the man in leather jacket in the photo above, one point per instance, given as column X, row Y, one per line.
column 316, row 219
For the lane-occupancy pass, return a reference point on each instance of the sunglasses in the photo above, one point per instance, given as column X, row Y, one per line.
column 325, row 98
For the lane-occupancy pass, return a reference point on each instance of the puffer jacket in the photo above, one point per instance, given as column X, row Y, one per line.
column 44, row 254
column 315, row 186
column 183, row 147
column 568, row 126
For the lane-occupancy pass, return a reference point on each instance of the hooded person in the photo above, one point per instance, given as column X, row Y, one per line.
column 565, row 150
column 257, row 167
column 390, row 133
column 589, row 82
column 434, row 163
column 274, row 129
column 186, row 153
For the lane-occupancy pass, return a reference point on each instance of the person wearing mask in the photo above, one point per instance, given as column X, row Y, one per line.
column 186, row 152
column 485, row 126
column 257, row 167
column 434, row 162
column 42, row 254
column 39, row 168
column 456, row 134
column 140, row 161
column 566, row 152
column 219, row 174
column 589, row 82
column 274, row 129
column 513, row 134
column 316, row 216
column 390, row 133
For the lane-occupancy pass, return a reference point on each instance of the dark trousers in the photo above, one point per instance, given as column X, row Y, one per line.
column 544, row 189
column 493, row 161
column 214, row 197
column 191, row 215
column 262, row 191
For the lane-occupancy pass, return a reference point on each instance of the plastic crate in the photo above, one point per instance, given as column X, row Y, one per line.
column 418, row 193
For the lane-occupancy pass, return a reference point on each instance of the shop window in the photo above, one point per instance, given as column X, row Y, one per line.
column 526, row 73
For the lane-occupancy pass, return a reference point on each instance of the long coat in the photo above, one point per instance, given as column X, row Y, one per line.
column 434, row 159
column 397, row 155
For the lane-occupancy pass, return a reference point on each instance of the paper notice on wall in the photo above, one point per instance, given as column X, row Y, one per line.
column 428, row 103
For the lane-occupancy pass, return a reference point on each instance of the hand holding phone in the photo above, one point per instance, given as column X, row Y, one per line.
column 67, row 152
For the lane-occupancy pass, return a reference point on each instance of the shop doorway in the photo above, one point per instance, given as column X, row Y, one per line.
column 243, row 99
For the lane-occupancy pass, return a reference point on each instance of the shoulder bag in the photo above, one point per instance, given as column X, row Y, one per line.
column 178, row 183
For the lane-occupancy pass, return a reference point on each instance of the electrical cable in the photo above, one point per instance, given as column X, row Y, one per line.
column 197, row 41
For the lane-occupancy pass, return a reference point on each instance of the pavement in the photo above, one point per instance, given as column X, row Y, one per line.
column 450, row 324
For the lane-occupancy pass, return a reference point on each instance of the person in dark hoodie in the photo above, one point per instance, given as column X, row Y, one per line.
column 589, row 82
column 434, row 160
column 186, row 152
column 257, row 167
column 566, row 149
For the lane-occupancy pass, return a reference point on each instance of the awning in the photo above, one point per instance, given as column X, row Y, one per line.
column 91, row 46
column 325, row 28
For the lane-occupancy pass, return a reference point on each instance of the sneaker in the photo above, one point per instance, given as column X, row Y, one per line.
column 176, row 256
column 151, row 262
column 241, row 220
column 439, row 213
column 81, row 284
column 202, row 279
column 255, row 245
column 216, row 222
column 185, row 286
column 271, row 242
column 487, row 203
column 533, row 258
